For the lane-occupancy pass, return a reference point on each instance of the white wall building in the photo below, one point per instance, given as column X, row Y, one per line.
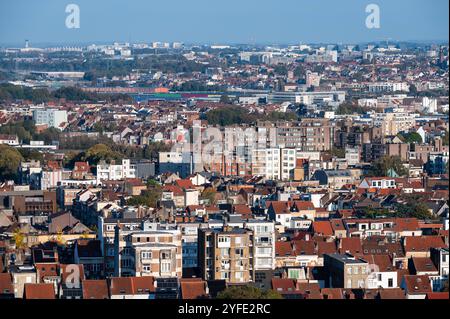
column 115, row 171
column 50, row 117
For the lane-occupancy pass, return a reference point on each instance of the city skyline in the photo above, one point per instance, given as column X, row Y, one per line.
column 233, row 23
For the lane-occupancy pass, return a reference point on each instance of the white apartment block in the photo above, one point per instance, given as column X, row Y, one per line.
column 388, row 87
column 267, row 163
column 394, row 122
column 352, row 155
column 115, row 171
column 264, row 243
column 288, row 160
column 50, row 117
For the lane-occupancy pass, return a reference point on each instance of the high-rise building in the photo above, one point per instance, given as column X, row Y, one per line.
column 226, row 254
column 50, row 117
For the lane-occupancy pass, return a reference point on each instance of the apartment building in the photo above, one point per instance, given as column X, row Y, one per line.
column 307, row 135
column 382, row 87
column 106, row 234
column 394, row 121
column 264, row 243
column 113, row 171
column 346, row 271
column 50, row 117
column 267, row 163
column 226, row 254
column 133, row 247
column 153, row 253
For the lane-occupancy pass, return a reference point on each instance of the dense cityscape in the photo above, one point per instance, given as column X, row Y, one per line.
column 210, row 171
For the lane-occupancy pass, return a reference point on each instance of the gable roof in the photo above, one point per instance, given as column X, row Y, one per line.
column 392, row 293
column 131, row 285
column 194, row 288
column 417, row 284
column 423, row 264
column 352, row 245
column 323, row 228
column 39, row 291
column 95, row 289
column 6, row 284
column 423, row 243
column 284, row 285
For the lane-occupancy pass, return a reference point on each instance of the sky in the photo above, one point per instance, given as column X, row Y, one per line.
column 222, row 21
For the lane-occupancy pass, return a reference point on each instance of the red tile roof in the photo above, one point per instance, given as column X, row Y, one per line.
column 438, row 295
column 383, row 262
column 323, row 228
column 39, row 291
column 283, row 285
column 423, row 264
column 6, row 285
column 417, row 284
column 423, row 243
column 392, row 293
column 352, row 245
column 132, row 285
column 283, row 249
column 184, row 183
column 95, row 289
column 193, row 288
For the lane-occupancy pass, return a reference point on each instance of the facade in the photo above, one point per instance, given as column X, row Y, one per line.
column 226, row 254
column 395, row 121
column 50, row 117
column 309, row 135
column 115, row 171
column 346, row 271
column 143, row 251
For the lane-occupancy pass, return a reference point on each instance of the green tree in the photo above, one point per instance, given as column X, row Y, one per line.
column 10, row 159
column 148, row 198
column 281, row 69
column 101, row 152
column 411, row 137
column 445, row 139
column 348, row 108
column 248, row 292
column 209, row 195
column 338, row 152
column 414, row 207
column 373, row 213
column 382, row 166
column 48, row 135
column 225, row 99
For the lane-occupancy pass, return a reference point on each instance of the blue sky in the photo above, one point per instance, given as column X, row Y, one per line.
column 230, row 21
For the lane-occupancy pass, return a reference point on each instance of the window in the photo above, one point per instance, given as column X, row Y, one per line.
column 165, row 255
column 356, row 270
column 349, row 270
column 361, row 284
column 380, row 277
column 146, row 255
column 390, row 282
column 147, row 268
column 224, row 239
column 165, row 267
